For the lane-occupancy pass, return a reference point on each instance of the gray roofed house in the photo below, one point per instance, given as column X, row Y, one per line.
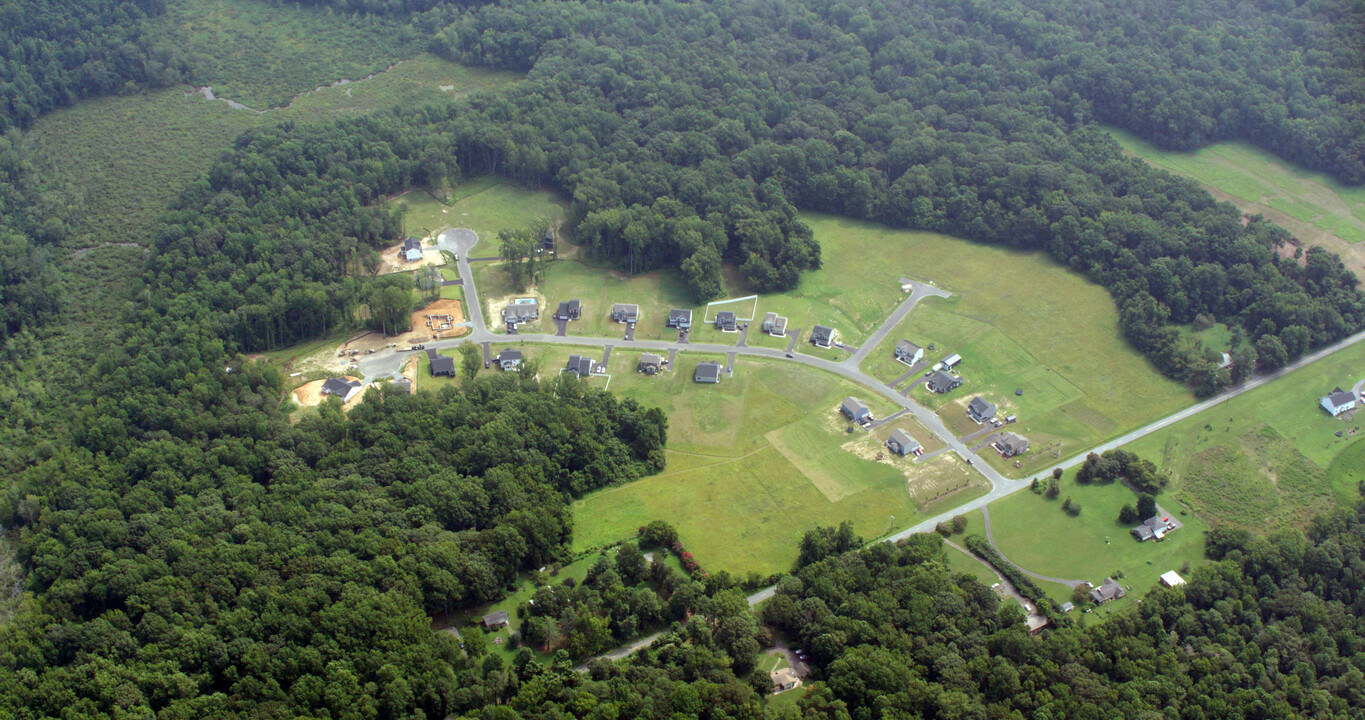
column 1155, row 528
column 1108, row 590
column 725, row 320
column 625, row 313
column 707, row 372
column 580, row 364
column 774, row 324
column 908, row 352
column 440, row 364
column 1338, row 401
column 509, row 359
column 942, row 382
column 651, row 364
column 901, row 443
column 521, row 310
column 496, row 620
column 402, row 384
column 569, row 310
column 855, row 409
column 412, row 249
column 680, row 318
column 822, row 336
column 341, row 387
column 1009, row 444
column 1068, row 607
column 547, row 243
column 980, row 410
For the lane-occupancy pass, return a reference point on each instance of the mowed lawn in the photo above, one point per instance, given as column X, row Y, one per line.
column 1267, row 458
column 1036, row 534
column 754, row 462
column 486, row 205
column 1020, row 322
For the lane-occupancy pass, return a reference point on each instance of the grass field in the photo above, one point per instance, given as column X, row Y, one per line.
column 752, row 466
column 1019, row 321
column 1267, row 458
column 120, row 161
column 1036, row 534
column 486, row 205
column 1314, row 207
column 263, row 54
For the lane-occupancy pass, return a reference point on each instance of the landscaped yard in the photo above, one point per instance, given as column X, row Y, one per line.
column 1265, row 458
column 1036, row 534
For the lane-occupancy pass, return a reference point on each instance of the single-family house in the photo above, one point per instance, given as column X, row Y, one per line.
column 1009, row 444
column 901, row 443
column 774, row 324
column 401, row 384
column 1108, row 590
column 942, row 382
column 412, row 249
column 496, row 620
column 521, row 310
column 440, row 364
column 1035, row 622
column 624, row 313
column 855, row 410
column 822, row 336
column 707, row 372
column 725, row 320
column 569, row 310
column 341, row 387
column 681, row 319
column 951, row 361
column 1154, row 528
column 980, row 409
column 547, row 243
column 908, row 352
column 651, row 364
column 509, row 359
column 1171, row 579
column 581, row 365
column 1338, row 401
column 785, row 679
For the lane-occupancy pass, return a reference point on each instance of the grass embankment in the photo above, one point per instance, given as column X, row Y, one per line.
column 1267, row 458
column 1314, row 207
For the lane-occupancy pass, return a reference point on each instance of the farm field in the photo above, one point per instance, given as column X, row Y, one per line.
column 486, row 205
column 752, row 467
column 121, row 161
column 1314, row 207
column 1036, row 534
column 1020, row 322
column 1267, row 458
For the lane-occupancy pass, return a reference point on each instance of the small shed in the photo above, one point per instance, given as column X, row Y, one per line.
column 1171, row 579
column 952, row 361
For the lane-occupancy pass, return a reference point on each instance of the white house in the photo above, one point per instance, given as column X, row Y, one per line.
column 1338, row 401
column 412, row 249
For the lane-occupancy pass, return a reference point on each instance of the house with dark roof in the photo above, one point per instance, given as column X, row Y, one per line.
column 908, row 352
column 440, row 364
column 901, row 443
column 1108, row 590
column 941, row 382
column 496, row 620
column 855, row 410
column 681, row 319
column 547, row 243
column 1009, row 444
column 980, row 410
column 651, row 364
column 569, row 310
column 725, row 320
column 1155, row 528
column 412, row 249
column 509, row 359
column 774, row 324
column 1338, row 401
column 707, row 372
column 624, row 313
column 581, row 365
column 341, row 387
column 822, row 336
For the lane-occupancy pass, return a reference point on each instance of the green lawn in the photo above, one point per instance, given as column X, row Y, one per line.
column 1266, row 458
column 752, row 466
column 1020, row 322
column 961, row 562
column 485, row 205
column 1036, row 534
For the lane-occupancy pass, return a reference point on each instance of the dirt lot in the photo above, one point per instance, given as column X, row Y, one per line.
column 431, row 323
column 392, row 263
column 310, row 394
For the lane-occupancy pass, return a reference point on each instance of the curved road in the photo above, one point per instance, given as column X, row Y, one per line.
column 986, row 520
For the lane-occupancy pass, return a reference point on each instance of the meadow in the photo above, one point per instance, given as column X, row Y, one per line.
column 1036, row 534
column 1268, row 458
column 1314, row 207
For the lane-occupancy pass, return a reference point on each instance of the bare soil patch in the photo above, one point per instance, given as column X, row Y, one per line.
column 393, row 263
column 437, row 321
column 310, row 394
